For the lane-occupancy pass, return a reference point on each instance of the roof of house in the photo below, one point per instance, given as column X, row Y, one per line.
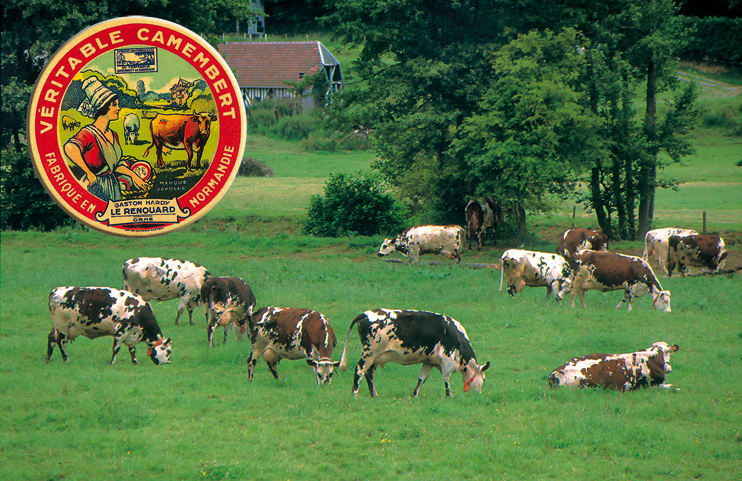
column 270, row 64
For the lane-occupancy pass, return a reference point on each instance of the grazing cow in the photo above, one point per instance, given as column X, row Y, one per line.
column 102, row 311
column 426, row 239
column 535, row 269
column 227, row 300
column 290, row 333
column 68, row 123
column 414, row 337
column 621, row 372
column 695, row 250
column 165, row 279
column 606, row 271
column 189, row 132
column 655, row 244
column 131, row 128
column 480, row 217
column 573, row 240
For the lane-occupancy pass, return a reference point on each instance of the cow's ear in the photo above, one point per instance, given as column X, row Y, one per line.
column 213, row 117
column 312, row 362
column 675, row 348
column 486, row 366
column 336, row 364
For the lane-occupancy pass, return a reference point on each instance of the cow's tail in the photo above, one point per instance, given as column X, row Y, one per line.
column 344, row 358
column 645, row 254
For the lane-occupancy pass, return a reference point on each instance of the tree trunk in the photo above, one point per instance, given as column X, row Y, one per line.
column 648, row 171
column 521, row 221
column 596, row 199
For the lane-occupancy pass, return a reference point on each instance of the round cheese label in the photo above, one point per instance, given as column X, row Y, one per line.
column 136, row 127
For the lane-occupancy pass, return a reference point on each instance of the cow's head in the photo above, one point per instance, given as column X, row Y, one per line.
column 159, row 351
column 474, row 376
column 662, row 301
column 387, row 247
column 666, row 351
column 203, row 120
column 323, row 369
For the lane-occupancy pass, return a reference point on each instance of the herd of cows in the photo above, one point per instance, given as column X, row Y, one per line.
column 406, row 337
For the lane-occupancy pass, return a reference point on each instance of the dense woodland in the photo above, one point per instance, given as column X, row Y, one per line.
column 520, row 100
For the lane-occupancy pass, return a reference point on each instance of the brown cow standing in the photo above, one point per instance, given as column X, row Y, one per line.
column 189, row 132
column 703, row 250
column 474, row 220
column 480, row 217
column 574, row 240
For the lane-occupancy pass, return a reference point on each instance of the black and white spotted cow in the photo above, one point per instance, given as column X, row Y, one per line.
column 535, row 269
column 426, row 239
column 414, row 337
column 291, row 333
column 656, row 244
column 164, row 279
column 621, row 372
column 102, row 311
column 703, row 250
column 606, row 271
column 227, row 301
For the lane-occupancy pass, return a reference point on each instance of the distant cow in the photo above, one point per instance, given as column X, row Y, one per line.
column 621, row 372
column 227, row 300
column 189, row 132
column 426, row 239
column 414, row 337
column 290, row 333
column 606, row 271
column 68, row 123
column 483, row 216
column 655, row 244
column 705, row 250
column 535, row 269
column 102, row 311
column 131, row 128
column 165, row 279
column 573, row 240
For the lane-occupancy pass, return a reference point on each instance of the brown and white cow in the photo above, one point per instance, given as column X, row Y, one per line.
column 291, row 333
column 414, row 337
column 535, row 269
column 165, row 279
column 703, row 250
column 178, row 132
column 426, row 239
column 621, row 372
column 656, row 243
column 481, row 217
column 606, row 271
column 102, row 311
column 573, row 240
column 227, row 301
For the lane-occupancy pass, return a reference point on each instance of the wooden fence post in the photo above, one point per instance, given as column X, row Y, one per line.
column 704, row 221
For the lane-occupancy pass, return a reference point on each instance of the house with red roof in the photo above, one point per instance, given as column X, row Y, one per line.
column 263, row 68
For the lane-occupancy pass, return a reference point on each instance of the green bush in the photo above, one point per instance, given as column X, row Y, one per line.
column 25, row 203
column 353, row 204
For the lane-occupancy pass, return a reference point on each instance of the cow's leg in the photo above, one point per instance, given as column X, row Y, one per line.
column 273, row 368
column 210, row 331
column 226, row 331
column 199, row 152
column 158, row 148
column 177, row 318
column 424, row 373
column 116, row 346
column 133, row 354
column 357, row 376
column 190, row 315
column 252, row 361
column 370, row 380
column 189, row 152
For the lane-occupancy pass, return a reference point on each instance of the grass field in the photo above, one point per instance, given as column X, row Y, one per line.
column 199, row 418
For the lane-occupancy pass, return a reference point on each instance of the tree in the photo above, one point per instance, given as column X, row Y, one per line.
column 32, row 32
column 534, row 132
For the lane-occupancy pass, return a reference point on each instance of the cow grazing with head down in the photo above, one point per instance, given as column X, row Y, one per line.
column 414, row 337
column 102, row 311
column 165, row 279
column 426, row 239
column 227, row 301
column 573, row 240
column 535, row 269
column 606, row 271
column 621, row 372
column 177, row 132
column 290, row 333
column 697, row 251
column 656, row 244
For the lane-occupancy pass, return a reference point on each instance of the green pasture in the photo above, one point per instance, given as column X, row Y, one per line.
column 199, row 417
